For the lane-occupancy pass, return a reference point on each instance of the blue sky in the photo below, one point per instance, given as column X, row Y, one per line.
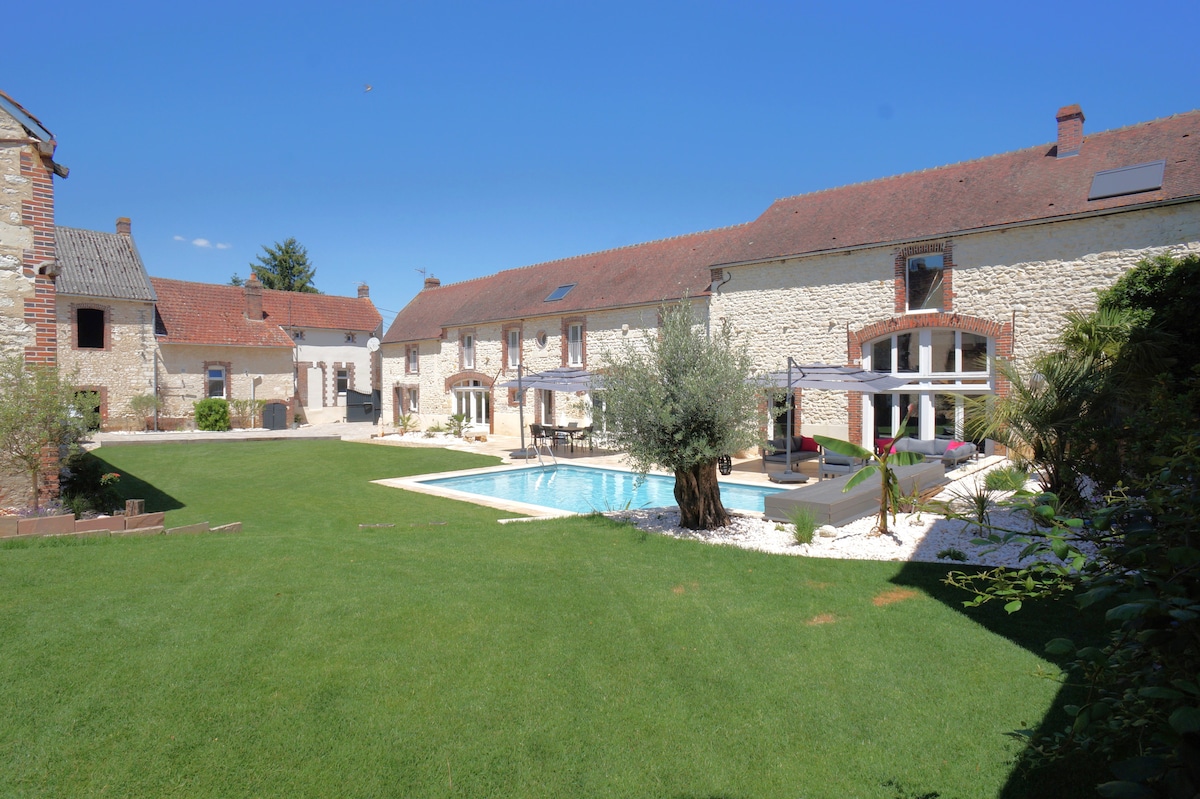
column 497, row 135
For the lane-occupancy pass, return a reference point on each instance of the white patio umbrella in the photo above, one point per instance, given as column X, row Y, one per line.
column 561, row 378
column 826, row 377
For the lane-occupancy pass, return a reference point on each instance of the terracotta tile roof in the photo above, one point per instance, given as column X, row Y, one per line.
column 205, row 313
column 1022, row 186
column 96, row 264
column 640, row 274
column 325, row 311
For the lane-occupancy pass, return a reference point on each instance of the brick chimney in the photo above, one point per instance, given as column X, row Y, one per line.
column 254, row 294
column 364, row 291
column 124, row 225
column 1070, row 130
column 432, row 282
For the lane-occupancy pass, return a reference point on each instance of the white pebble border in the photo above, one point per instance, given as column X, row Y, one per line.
column 912, row 537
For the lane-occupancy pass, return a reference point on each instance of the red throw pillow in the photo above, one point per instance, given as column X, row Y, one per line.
column 809, row 444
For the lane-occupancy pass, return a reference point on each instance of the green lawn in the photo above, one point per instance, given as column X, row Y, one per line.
column 452, row 656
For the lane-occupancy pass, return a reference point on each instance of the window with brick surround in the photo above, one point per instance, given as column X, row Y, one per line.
column 414, row 396
column 924, row 283
column 468, row 351
column 215, row 382
column 514, row 348
column 413, row 359
column 575, row 345
column 89, row 328
column 343, row 380
column 943, row 366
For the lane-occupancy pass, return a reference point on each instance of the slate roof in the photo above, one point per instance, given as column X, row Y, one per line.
column 640, row 274
column 206, row 313
column 96, row 264
column 1017, row 187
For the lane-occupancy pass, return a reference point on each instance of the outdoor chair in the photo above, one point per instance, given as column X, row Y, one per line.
column 834, row 465
column 538, row 432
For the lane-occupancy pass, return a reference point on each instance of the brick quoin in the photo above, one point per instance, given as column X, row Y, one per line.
column 38, row 215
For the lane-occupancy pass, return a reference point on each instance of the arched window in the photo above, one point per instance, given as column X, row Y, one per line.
column 943, row 366
column 473, row 400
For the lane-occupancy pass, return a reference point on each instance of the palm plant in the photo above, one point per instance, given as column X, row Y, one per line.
column 880, row 463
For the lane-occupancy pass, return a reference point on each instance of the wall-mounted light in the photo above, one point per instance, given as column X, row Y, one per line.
column 50, row 269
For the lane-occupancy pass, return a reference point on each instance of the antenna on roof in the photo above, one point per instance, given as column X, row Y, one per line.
column 423, row 272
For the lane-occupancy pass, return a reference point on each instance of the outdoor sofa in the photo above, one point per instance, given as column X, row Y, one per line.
column 803, row 449
column 951, row 453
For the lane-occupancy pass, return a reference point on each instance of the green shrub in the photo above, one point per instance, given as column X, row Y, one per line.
column 406, row 423
column 951, row 553
column 804, row 520
column 212, row 414
column 1007, row 478
column 246, row 412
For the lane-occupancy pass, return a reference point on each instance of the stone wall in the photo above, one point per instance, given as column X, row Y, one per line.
column 124, row 368
column 543, row 346
column 27, row 326
column 182, row 380
column 1023, row 279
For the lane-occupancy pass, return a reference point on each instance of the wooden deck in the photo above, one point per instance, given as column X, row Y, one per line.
column 834, row 506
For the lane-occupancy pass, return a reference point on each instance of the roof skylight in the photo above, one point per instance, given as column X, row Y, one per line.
column 1127, row 180
column 560, row 292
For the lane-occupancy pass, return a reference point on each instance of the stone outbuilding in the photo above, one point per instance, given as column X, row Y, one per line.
column 105, row 315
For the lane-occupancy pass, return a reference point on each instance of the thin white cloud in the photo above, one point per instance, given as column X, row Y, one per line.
column 205, row 244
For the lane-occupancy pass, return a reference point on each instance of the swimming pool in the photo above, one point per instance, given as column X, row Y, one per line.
column 583, row 489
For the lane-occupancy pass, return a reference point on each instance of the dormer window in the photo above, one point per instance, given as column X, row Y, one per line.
column 560, row 292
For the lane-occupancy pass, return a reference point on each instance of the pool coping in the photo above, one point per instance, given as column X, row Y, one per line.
column 530, row 512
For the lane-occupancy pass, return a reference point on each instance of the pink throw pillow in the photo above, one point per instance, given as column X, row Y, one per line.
column 953, row 445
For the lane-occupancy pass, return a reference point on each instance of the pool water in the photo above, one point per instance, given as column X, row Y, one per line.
column 583, row 489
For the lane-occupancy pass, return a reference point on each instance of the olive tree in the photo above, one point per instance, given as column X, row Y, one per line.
column 679, row 401
column 39, row 413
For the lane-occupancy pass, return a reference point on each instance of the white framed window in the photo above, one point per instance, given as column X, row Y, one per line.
column 575, row 345
column 943, row 366
column 343, row 381
column 474, row 401
column 413, row 397
column 215, row 380
column 923, row 283
column 414, row 359
column 468, row 351
column 514, row 349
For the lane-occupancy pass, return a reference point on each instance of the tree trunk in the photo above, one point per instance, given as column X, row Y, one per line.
column 699, row 497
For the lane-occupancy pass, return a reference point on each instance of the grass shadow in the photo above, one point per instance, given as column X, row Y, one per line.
column 131, row 486
column 1030, row 628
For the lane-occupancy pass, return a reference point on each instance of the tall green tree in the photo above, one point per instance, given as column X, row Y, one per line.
column 39, row 413
column 285, row 267
column 680, row 400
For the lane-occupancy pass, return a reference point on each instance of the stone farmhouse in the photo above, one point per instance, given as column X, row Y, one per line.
column 447, row 348
column 927, row 275
column 122, row 334
column 27, row 257
column 247, row 342
column 105, row 317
